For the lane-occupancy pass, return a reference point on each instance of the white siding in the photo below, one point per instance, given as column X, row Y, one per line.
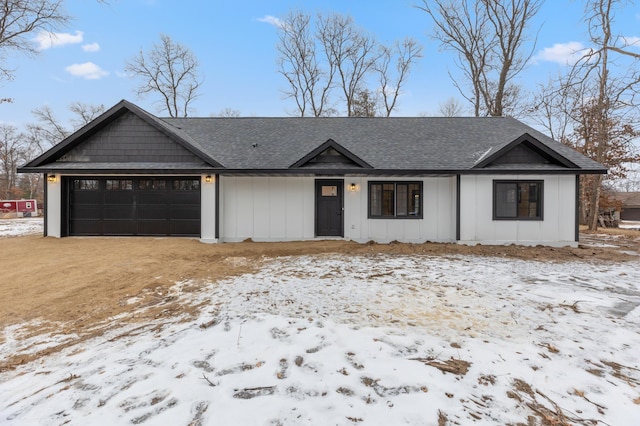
column 437, row 224
column 476, row 213
column 208, row 210
column 54, row 207
column 266, row 208
column 283, row 209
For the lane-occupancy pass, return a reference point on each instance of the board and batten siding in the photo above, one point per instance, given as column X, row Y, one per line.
column 208, row 209
column 266, row 208
column 437, row 223
column 283, row 209
column 53, row 202
column 476, row 213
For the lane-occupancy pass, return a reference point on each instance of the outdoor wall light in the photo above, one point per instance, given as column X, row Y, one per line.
column 51, row 178
column 353, row 187
column 208, row 179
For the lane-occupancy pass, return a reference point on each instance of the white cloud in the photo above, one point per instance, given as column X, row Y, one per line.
column 47, row 39
column 91, row 47
column 631, row 41
column 88, row 71
column 271, row 20
column 561, row 53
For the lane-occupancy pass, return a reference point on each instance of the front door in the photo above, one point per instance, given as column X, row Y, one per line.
column 329, row 204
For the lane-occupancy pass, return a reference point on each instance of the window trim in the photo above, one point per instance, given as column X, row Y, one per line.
column 395, row 183
column 540, row 197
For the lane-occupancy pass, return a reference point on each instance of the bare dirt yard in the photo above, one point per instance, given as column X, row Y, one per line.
column 81, row 282
column 173, row 331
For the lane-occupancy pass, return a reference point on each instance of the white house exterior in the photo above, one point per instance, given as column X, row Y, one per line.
column 466, row 180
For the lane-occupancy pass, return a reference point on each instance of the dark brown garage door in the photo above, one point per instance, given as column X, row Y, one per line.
column 134, row 206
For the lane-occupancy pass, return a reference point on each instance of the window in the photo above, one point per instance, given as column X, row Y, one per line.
column 517, row 200
column 152, row 184
column 402, row 200
column 186, row 185
column 119, row 185
column 86, row 184
column 329, row 191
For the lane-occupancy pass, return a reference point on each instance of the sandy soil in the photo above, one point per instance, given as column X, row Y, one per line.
column 72, row 285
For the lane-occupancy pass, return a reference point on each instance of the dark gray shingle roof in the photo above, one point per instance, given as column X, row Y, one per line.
column 431, row 143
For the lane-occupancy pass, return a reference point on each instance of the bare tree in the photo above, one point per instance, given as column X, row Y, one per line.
column 350, row 50
column 170, row 70
column 489, row 37
column 48, row 129
column 615, row 94
column 450, row 108
column 11, row 153
column 594, row 107
column 84, row 113
column 19, row 19
column 310, row 80
column 335, row 55
column 402, row 56
column 228, row 113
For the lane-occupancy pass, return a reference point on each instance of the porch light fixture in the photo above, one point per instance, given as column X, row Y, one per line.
column 51, row 178
column 353, row 187
column 208, row 179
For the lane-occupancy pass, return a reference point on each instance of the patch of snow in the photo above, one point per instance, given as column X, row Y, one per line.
column 335, row 339
column 629, row 224
column 21, row 226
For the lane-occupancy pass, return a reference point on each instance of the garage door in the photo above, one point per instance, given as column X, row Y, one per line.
column 134, row 206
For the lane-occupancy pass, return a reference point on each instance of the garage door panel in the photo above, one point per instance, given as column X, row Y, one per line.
column 118, row 212
column 87, row 211
column 136, row 206
column 148, row 197
column 158, row 212
column 119, row 197
column 85, row 227
column 154, row 227
column 118, row 227
column 87, row 197
column 184, row 212
column 184, row 228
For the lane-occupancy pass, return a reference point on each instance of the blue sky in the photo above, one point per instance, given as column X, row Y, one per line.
column 237, row 52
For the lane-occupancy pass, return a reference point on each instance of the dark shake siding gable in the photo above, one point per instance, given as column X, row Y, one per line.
column 130, row 139
column 253, row 172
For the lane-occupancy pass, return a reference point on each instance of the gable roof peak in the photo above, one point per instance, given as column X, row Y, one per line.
column 330, row 144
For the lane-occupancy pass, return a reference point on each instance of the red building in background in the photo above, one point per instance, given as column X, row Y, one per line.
column 21, row 208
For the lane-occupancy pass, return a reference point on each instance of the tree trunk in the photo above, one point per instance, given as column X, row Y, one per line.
column 595, row 202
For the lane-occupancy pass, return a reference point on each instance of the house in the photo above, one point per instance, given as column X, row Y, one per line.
column 630, row 202
column 490, row 180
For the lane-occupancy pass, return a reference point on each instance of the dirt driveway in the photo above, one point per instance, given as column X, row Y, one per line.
column 84, row 280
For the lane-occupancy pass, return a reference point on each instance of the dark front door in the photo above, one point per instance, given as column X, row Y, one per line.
column 329, row 203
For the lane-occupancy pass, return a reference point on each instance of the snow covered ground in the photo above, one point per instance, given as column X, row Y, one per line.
column 21, row 226
column 629, row 224
column 374, row 340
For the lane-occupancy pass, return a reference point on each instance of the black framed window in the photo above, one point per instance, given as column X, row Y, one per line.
column 401, row 200
column 119, row 185
column 152, row 184
column 86, row 184
column 517, row 199
column 186, row 185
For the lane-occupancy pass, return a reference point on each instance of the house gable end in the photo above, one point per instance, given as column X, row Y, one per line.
column 127, row 134
column 525, row 150
column 127, row 139
column 330, row 155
